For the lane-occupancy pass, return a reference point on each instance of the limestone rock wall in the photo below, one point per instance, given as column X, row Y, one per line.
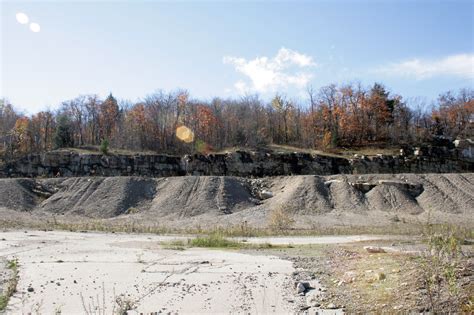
column 240, row 163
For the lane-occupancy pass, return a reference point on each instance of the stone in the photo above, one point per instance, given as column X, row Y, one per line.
column 30, row 289
column 374, row 249
column 300, row 288
column 266, row 194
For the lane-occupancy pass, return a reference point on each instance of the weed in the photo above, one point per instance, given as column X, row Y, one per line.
column 175, row 245
column 280, row 219
column 125, row 304
column 11, row 284
column 12, row 264
column 441, row 263
column 242, row 229
column 97, row 306
column 215, row 240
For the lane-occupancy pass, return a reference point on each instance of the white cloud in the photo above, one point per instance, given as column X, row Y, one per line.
column 266, row 74
column 461, row 65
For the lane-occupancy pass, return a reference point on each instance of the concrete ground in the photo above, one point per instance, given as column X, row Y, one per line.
column 77, row 273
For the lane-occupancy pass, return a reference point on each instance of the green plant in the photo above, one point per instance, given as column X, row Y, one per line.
column 11, row 284
column 63, row 136
column 213, row 240
column 174, row 245
column 12, row 264
column 104, row 146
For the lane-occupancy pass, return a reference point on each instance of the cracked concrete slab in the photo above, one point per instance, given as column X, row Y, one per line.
column 74, row 272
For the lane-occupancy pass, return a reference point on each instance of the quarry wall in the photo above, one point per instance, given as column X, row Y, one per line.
column 240, row 163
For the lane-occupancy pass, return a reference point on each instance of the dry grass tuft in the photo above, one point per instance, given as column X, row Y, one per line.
column 281, row 219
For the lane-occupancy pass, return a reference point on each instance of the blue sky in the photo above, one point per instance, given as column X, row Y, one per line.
column 228, row 48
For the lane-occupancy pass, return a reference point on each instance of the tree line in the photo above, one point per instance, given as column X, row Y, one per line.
column 333, row 116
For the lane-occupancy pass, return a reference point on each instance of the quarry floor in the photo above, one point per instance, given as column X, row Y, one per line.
column 77, row 273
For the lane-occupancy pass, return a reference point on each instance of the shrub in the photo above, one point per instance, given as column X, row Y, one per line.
column 104, row 147
column 441, row 265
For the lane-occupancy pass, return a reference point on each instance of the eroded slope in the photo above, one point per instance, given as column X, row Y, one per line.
column 176, row 198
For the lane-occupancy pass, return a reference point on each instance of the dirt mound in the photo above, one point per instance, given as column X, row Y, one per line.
column 190, row 196
column 100, row 197
column 346, row 197
column 400, row 193
column 451, row 193
column 388, row 197
column 303, row 194
column 18, row 194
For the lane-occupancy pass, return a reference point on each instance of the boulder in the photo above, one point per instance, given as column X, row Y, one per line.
column 266, row 194
column 300, row 288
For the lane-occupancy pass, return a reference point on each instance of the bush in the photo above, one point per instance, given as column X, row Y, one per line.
column 280, row 219
column 104, row 147
column 441, row 266
column 213, row 240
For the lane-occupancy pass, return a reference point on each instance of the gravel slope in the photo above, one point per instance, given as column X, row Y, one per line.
column 232, row 199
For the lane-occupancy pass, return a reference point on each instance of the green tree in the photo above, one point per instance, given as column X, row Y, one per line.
column 63, row 137
column 104, row 146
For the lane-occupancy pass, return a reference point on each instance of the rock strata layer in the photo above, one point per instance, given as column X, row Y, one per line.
column 240, row 163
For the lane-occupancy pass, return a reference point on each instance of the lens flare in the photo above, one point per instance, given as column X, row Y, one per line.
column 22, row 18
column 185, row 134
column 35, row 27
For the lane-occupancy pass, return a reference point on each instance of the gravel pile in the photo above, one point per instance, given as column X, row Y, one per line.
column 190, row 196
column 177, row 198
column 100, row 197
column 18, row 194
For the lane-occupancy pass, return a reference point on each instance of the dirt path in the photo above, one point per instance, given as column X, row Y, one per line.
column 71, row 272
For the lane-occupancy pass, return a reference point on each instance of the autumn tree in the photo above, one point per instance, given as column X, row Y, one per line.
column 334, row 116
column 108, row 117
column 22, row 135
column 454, row 114
column 283, row 109
column 8, row 118
column 41, row 127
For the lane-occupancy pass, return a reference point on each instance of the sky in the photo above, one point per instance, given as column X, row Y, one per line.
column 224, row 49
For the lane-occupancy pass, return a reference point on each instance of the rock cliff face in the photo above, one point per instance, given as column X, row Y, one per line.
column 240, row 163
